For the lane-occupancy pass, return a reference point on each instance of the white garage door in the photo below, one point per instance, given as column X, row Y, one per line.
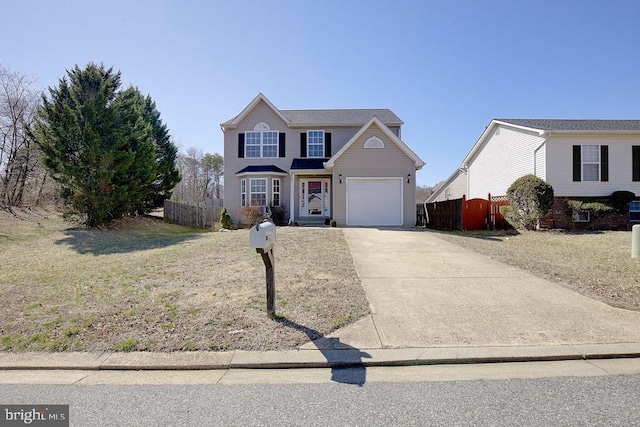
column 374, row 201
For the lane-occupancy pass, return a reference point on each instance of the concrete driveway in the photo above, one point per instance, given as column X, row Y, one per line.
column 425, row 292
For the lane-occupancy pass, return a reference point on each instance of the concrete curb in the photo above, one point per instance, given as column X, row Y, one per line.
column 313, row 358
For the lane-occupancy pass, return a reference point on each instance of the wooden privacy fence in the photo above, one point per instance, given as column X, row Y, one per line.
column 197, row 215
column 463, row 214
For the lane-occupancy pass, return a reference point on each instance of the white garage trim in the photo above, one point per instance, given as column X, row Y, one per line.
column 374, row 201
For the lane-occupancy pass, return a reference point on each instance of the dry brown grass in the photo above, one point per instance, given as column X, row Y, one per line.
column 149, row 285
column 595, row 264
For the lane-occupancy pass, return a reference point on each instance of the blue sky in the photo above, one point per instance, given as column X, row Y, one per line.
column 444, row 67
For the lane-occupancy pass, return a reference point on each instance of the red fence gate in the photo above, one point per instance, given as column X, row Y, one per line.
column 475, row 214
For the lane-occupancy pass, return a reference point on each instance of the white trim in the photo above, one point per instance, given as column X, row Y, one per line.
column 292, row 195
column 584, row 163
column 401, row 189
column 251, row 106
column 576, row 216
column 243, row 192
column 274, row 192
column 374, row 120
column 310, row 172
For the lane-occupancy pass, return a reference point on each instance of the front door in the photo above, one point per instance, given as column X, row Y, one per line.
column 315, row 197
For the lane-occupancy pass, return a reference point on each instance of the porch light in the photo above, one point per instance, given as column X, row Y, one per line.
column 408, row 178
column 340, row 178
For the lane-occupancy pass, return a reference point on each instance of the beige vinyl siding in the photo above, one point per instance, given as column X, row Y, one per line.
column 560, row 165
column 389, row 161
column 232, row 164
column 340, row 135
column 506, row 156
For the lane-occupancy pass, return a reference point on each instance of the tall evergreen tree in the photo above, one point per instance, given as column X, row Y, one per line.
column 167, row 174
column 99, row 144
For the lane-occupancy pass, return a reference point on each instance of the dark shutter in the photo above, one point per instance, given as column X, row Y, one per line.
column 635, row 162
column 281, row 144
column 327, row 144
column 303, row 144
column 604, row 163
column 577, row 164
column 241, row 145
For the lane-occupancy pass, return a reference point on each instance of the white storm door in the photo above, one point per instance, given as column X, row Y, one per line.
column 315, row 197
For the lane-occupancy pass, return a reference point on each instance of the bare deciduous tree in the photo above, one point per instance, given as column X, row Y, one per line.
column 201, row 175
column 422, row 193
column 18, row 153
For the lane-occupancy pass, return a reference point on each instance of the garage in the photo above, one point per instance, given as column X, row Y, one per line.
column 374, row 201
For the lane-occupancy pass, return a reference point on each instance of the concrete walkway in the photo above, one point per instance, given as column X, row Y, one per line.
column 425, row 292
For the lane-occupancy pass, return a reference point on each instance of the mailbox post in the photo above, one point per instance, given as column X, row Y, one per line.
column 262, row 237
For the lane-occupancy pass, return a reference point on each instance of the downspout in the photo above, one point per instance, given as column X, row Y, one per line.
column 546, row 135
column 466, row 168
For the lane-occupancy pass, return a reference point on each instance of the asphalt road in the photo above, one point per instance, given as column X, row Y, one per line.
column 603, row 400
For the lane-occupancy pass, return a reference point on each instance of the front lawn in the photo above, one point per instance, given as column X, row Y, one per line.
column 148, row 285
column 597, row 264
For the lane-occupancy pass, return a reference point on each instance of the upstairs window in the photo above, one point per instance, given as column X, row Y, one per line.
column 315, row 143
column 270, row 144
column 261, row 144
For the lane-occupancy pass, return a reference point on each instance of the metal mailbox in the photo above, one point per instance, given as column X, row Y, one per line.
column 262, row 236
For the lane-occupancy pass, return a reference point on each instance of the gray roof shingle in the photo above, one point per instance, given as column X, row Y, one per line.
column 340, row 117
column 576, row 124
column 337, row 117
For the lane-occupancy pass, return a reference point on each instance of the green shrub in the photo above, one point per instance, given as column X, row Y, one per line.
column 620, row 200
column 597, row 209
column 333, row 223
column 225, row 219
column 530, row 198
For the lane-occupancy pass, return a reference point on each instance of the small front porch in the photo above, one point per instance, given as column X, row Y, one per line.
column 310, row 192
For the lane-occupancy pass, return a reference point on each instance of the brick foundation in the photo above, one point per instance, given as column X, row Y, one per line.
column 561, row 216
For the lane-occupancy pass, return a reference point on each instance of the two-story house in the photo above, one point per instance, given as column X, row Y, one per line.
column 347, row 164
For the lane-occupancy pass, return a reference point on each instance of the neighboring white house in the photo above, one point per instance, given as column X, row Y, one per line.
column 584, row 160
column 347, row 164
column 579, row 158
column 451, row 188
